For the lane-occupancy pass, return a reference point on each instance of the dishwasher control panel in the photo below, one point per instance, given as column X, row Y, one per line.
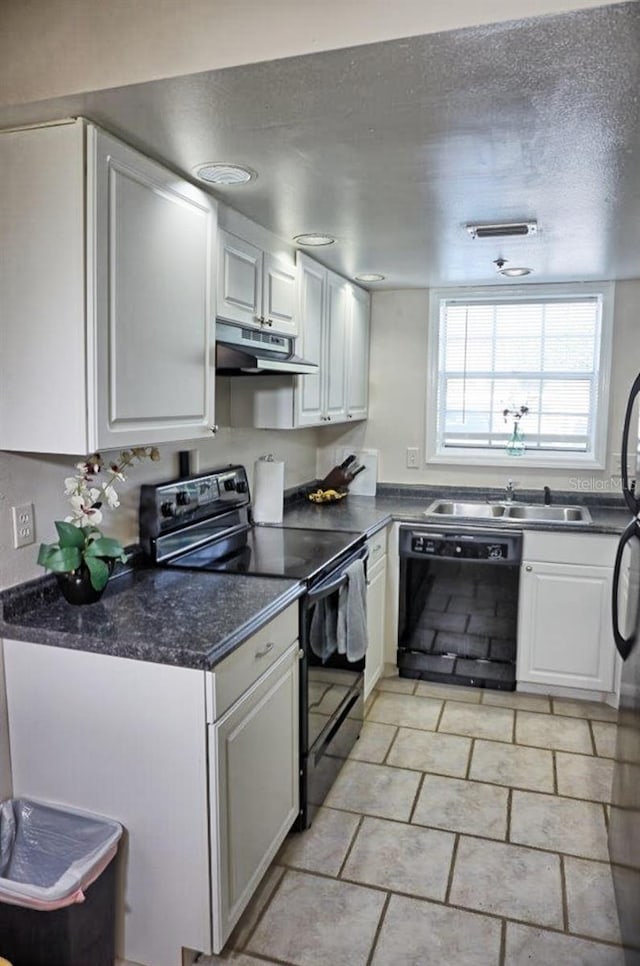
column 490, row 548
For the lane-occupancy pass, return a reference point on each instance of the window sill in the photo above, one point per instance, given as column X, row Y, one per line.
column 545, row 462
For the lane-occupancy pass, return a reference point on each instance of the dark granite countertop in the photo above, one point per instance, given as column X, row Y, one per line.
column 367, row 514
column 192, row 619
column 166, row 616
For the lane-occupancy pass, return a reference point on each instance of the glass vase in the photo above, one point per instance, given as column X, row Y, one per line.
column 515, row 443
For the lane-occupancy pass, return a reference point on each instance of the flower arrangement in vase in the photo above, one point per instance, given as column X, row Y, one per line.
column 515, row 443
column 83, row 558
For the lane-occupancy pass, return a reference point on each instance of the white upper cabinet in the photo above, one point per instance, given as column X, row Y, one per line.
column 334, row 363
column 308, row 396
column 333, row 318
column 108, row 298
column 358, row 354
column 255, row 288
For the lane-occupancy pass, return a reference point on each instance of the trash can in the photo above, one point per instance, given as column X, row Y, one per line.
column 57, row 885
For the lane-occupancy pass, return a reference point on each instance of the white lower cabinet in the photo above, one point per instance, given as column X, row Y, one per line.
column 253, row 753
column 376, row 609
column 564, row 625
column 201, row 769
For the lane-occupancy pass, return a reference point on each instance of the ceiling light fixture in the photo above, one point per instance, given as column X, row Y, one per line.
column 214, row 172
column 505, row 230
column 314, row 239
column 510, row 272
column 368, row 277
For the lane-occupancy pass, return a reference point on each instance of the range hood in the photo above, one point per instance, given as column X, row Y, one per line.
column 245, row 352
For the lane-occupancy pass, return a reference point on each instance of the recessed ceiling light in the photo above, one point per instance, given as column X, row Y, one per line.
column 514, row 272
column 505, row 230
column 314, row 238
column 368, row 277
column 510, row 272
column 214, row 172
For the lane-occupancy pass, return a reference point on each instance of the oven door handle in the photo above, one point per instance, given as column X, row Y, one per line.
column 332, row 584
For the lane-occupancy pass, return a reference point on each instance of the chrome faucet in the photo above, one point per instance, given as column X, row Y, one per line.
column 547, row 496
column 508, row 491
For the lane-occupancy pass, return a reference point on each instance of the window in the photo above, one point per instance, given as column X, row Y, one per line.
column 545, row 348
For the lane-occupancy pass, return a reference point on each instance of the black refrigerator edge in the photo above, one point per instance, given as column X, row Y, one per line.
column 624, row 824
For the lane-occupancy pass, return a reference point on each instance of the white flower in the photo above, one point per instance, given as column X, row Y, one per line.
column 111, row 496
column 71, row 485
column 93, row 495
column 85, row 516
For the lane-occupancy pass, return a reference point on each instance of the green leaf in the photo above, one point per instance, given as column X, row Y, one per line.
column 70, row 536
column 105, row 547
column 59, row 559
column 99, row 572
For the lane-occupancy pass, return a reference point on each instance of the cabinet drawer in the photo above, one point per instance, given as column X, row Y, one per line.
column 233, row 676
column 592, row 549
column 377, row 547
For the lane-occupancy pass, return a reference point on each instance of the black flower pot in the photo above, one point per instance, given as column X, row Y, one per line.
column 76, row 587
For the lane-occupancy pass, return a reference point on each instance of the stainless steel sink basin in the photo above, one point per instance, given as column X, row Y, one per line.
column 451, row 509
column 509, row 512
column 553, row 514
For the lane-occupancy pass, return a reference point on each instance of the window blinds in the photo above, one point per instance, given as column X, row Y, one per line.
column 500, row 355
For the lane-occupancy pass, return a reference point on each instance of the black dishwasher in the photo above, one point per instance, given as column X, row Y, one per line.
column 458, row 606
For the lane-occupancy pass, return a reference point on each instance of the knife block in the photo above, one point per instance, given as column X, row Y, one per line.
column 336, row 478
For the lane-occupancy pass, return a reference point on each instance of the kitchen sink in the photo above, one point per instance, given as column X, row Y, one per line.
column 509, row 512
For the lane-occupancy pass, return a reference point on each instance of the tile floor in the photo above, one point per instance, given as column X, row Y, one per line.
column 469, row 828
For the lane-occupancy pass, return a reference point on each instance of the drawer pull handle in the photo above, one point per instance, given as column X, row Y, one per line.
column 265, row 650
column 528, row 569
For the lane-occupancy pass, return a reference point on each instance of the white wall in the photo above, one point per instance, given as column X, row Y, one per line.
column 71, row 46
column 40, row 479
column 398, row 399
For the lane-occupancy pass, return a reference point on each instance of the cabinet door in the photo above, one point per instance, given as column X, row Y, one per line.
column 358, row 354
column 564, row 635
column 255, row 788
column 279, row 296
column 335, row 406
column 150, row 241
column 42, row 281
column 311, row 283
column 376, row 580
column 239, row 297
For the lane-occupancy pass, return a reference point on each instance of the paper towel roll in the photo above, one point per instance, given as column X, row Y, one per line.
column 268, row 490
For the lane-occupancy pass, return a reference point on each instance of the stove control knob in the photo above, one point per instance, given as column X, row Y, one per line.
column 182, row 498
column 229, row 485
column 166, row 509
column 241, row 486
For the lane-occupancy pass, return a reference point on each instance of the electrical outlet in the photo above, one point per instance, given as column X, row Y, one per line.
column 412, row 457
column 23, row 528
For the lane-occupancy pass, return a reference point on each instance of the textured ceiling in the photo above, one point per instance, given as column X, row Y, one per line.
column 392, row 147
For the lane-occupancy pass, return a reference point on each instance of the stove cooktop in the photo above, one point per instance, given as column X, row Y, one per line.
column 274, row 552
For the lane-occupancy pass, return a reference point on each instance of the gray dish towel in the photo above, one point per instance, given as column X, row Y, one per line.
column 323, row 631
column 352, row 614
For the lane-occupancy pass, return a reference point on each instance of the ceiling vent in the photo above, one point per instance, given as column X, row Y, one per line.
column 505, row 230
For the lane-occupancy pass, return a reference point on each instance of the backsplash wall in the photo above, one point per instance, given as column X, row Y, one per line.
column 26, row 478
column 397, row 409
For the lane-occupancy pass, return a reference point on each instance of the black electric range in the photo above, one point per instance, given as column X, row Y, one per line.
column 203, row 523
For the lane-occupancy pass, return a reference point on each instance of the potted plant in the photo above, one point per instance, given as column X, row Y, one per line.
column 83, row 558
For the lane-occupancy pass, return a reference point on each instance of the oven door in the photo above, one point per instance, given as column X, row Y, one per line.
column 331, row 702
